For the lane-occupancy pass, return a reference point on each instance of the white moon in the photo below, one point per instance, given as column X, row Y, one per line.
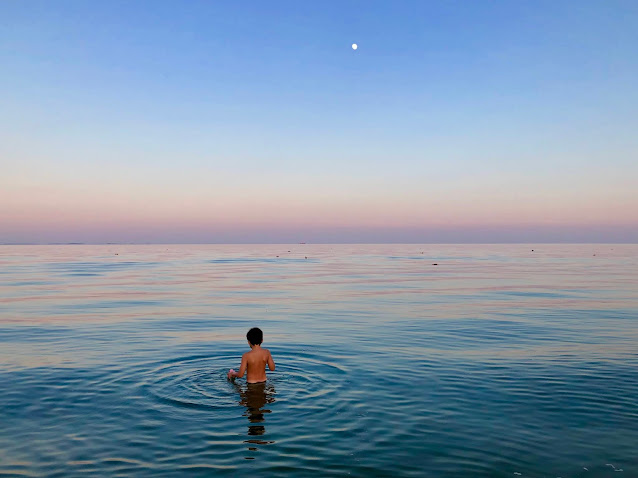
column 355, row 46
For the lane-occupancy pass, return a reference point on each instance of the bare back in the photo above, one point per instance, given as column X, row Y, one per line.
column 254, row 362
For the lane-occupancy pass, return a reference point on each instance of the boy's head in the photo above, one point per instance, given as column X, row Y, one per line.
column 255, row 336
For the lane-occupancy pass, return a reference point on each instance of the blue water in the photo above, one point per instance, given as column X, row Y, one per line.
column 499, row 361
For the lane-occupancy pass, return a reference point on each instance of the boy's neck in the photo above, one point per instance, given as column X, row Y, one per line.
column 255, row 347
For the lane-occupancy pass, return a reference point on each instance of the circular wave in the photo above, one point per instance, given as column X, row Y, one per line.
column 200, row 382
column 193, row 382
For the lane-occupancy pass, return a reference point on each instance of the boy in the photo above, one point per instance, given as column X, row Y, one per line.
column 255, row 360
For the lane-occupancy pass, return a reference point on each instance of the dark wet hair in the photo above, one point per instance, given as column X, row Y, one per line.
column 255, row 336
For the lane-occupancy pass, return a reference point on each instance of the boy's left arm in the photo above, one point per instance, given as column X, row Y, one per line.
column 271, row 362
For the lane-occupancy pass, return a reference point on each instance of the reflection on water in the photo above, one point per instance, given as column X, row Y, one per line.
column 255, row 397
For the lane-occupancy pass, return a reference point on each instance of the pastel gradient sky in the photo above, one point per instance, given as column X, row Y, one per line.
column 255, row 121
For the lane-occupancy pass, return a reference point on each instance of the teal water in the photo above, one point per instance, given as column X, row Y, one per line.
column 499, row 361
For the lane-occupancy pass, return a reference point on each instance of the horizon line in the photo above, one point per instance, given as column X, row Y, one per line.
column 296, row 243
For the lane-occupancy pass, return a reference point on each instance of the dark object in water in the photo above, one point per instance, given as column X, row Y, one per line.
column 435, row 264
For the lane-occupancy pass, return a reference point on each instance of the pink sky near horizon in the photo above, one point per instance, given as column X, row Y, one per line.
column 69, row 211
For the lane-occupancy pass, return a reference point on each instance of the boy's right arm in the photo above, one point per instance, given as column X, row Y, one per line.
column 242, row 369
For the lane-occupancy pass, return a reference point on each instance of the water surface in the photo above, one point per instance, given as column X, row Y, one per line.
column 499, row 360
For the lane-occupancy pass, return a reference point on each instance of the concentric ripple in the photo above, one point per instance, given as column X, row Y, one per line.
column 199, row 382
column 193, row 382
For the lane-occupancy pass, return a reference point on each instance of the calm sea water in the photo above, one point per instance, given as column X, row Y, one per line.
column 498, row 361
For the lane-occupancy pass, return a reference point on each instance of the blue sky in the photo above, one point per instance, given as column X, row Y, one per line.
column 257, row 122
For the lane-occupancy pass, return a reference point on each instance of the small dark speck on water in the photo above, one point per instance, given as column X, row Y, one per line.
column 435, row 264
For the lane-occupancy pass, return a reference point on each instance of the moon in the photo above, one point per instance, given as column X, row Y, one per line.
column 355, row 46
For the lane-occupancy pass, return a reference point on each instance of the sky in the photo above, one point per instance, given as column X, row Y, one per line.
column 257, row 122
